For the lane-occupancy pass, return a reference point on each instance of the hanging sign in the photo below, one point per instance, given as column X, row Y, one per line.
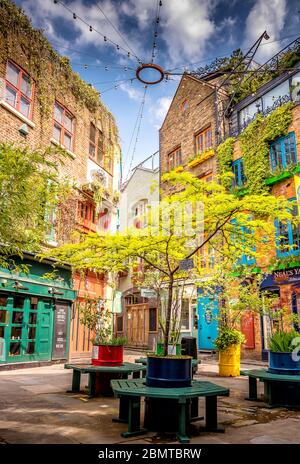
column 186, row 264
column 148, row 293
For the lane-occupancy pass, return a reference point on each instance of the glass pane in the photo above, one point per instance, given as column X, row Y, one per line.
column 92, row 133
column 67, row 141
column 2, row 316
column 32, row 318
column 26, row 86
column 24, row 106
column 152, row 320
column 2, row 332
column 3, row 300
column 56, row 132
column 15, row 349
column 185, row 314
column 100, row 153
column 30, row 348
column 31, row 332
column 11, row 96
column 92, row 150
column 12, row 74
column 19, row 302
column 68, row 122
column 33, row 302
column 58, row 113
column 16, row 333
column 17, row 317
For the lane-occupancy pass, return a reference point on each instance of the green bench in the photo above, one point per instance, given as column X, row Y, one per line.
column 279, row 390
column 131, row 391
column 100, row 376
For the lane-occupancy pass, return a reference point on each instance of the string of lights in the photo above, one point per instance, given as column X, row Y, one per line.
column 116, row 29
column 155, row 34
column 93, row 29
column 115, row 87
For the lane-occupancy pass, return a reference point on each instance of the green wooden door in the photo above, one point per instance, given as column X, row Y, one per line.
column 27, row 329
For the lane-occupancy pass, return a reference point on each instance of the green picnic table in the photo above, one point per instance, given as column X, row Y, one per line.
column 279, row 389
column 131, row 391
column 100, row 376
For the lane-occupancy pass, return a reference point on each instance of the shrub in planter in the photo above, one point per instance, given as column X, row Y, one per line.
column 228, row 344
column 281, row 347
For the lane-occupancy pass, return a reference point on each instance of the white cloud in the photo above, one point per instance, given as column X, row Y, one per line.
column 266, row 15
column 161, row 107
column 132, row 92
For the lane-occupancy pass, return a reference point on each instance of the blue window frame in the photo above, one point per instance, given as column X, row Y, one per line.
column 238, row 173
column 288, row 235
column 244, row 260
column 283, row 152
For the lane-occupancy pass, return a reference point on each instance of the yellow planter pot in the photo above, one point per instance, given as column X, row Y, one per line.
column 230, row 361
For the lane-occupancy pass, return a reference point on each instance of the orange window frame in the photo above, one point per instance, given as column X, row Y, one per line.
column 97, row 143
column 203, row 140
column 63, row 129
column 18, row 89
column 175, row 158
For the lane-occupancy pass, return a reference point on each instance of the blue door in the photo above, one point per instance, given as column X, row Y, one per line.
column 208, row 324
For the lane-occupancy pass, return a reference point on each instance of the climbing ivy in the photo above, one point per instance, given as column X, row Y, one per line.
column 50, row 71
column 224, row 156
column 255, row 141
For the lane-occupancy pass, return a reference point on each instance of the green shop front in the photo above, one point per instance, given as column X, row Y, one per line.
column 35, row 312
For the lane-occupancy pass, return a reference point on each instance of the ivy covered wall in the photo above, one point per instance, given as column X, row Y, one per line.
column 255, row 148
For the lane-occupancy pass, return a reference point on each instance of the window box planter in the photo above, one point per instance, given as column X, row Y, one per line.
column 178, row 169
column 278, row 178
column 283, row 363
column 203, row 157
column 169, row 372
column 107, row 355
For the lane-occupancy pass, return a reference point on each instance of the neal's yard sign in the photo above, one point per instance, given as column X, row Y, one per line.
column 286, row 275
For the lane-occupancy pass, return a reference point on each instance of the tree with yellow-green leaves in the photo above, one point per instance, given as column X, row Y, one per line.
column 230, row 224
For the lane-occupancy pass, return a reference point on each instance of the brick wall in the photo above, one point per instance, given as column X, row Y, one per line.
column 184, row 121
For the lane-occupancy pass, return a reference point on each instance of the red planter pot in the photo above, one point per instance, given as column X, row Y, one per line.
column 107, row 355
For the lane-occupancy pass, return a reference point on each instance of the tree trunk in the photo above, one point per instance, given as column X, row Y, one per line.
column 168, row 316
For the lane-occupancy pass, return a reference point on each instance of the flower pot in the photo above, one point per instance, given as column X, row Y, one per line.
column 283, row 363
column 172, row 349
column 229, row 361
column 169, row 372
column 107, row 355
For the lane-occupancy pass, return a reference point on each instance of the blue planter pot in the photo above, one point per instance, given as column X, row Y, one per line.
column 169, row 372
column 282, row 363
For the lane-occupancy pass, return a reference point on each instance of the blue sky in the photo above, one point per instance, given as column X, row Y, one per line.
column 190, row 33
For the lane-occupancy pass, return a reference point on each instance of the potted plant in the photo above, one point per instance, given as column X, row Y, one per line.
column 282, row 344
column 107, row 350
column 228, row 343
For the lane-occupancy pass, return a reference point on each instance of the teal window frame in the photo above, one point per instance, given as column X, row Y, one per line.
column 239, row 178
column 244, row 260
column 290, row 231
column 283, row 152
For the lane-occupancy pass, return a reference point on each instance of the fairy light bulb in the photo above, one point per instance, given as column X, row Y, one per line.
column 74, row 16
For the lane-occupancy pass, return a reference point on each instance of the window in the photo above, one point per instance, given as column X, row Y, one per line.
column 18, row 89
column 175, row 159
column 238, row 238
column 185, row 315
column 63, row 126
column 207, row 256
column 119, row 323
column 288, row 235
column 283, row 152
column 87, row 211
column 96, row 145
column 238, row 172
column 152, row 320
column 203, row 140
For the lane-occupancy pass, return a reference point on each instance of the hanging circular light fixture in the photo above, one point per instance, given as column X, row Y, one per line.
column 152, row 67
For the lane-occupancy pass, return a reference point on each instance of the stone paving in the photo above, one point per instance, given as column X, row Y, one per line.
column 35, row 408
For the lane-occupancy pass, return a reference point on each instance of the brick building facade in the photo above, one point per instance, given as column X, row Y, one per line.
column 44, row 103
column 189, row 138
